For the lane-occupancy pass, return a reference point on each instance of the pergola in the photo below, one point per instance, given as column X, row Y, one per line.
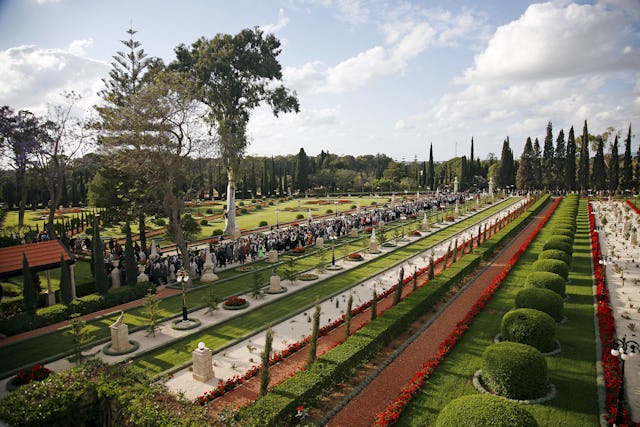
column 41, row 256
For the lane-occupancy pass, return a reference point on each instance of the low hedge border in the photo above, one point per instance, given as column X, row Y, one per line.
column 337, row 364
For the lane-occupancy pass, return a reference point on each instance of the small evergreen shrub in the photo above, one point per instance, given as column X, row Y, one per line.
column 258, row 207
column 87, row 304
column 558, row 231
column 529, row 326
column 204, row 222
column 244, row 211
column 263, row 224
column 299, row 216
column 484, row 410
column 515, row 371
column 553, row 266
column 561, row 246
column 216, row 232
column 542, row 299
column 563, row 239
column 209, row 211
column 547, row 280
column 566, row 223
column 555, row 254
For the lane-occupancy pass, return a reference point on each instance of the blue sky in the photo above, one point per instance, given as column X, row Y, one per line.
column 372, row 76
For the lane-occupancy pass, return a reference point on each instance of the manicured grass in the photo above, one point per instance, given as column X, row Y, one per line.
column 572, row 371
column 50, row 345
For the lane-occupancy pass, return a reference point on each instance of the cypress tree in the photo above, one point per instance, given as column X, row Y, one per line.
column 143, row 231
column 472, row 169
column 398, row 294
column 636, row 169
column 525, row 178
column 537, row 165
column 583, row 161
column 570, row 164
column 432, row 273
column 454, row 254
column 29, row 292
column 627, row 173
column 374, row 306
column 614, row 167
column 130, row 267
column 66, row 294
column 599, row 173
column 506, row 169
column 313, row 342
column 560, row 159
column 431, row 175
column 347, row 317
column 100, row 274
column 415, row 279
column 265, row 376
column 302, row 171
column 548, row 159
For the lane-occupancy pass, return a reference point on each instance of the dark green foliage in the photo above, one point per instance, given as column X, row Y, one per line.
column 554, row 243
column 526, row 171
column 313, row 342
column 79, row 337
column 151, row 312
column 583, row 160
column 347, row 317
column 542, row 299
column 553, row 266
column 265, row 355
column 97, row 253
column 374, row 306
column 561, row 231
column 263, row 223
column 29, row 291
column 567, row 240
column 506, row 168
column 599, row 172
column 570, row 162
column 484, row 410
column 555, row 254
column 529, row 326
column 614, row 167
column 130, row 265
column 627, row 173
column 546, row 280
column 66, row 294
column 515, row 371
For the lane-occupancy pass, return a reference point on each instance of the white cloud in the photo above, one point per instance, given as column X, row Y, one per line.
column 79, row 47
column 32, row 77
column 550, row 41
column 47, row 1
column 282, row 22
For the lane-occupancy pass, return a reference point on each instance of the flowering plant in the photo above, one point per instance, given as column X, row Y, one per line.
column 36, row 373
column 298, row 250
column 355, row 255
column 235, row 302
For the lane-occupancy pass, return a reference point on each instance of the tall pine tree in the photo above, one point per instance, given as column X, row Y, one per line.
column 614, row 167
column 599, row 173
column 431, row 172
column 548, row 161
column 525, row 179
column 537, row 165
column 583, row 161
column 570, row 165
column 560, row 159
column 506, row 169
column 627, row 173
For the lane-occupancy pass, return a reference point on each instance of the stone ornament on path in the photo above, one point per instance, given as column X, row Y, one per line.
column 274, row 284
column 320, row 243
column 142, row 277
column 425, row 223
column 273, row 256
column 115, row 277
column 120, row 335
column 207, row 269
column 202, row 358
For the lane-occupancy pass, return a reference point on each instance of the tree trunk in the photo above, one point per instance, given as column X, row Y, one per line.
column 230, row 225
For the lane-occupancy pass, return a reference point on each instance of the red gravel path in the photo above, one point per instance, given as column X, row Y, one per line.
column 361, row 410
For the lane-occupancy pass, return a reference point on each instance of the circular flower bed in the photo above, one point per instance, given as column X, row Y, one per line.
column 299, row 250
column 415, row 233
column 235, row 303
column 135, row 345
column 308, row 277
column 244, row 268
column 36, row 373
column 355, row 256
column 181, row 325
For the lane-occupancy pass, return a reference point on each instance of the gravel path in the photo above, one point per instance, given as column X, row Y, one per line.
column 361, row 410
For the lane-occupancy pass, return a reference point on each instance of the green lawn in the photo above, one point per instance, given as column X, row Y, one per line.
column 232, row 282
column 572, row 371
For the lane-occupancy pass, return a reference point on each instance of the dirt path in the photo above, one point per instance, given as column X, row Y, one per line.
column 361, row 410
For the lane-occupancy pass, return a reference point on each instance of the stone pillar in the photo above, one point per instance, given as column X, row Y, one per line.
column 320, row 243
column 51, row 296
column 115, row 276
column 142, row 277
column 202, row 358
column 274, row 284
column 457, row 210
column 373, row 244
column 273, row 256
column 354, row 232
column 119, row 337
column 455, row 184
column 154, row 250
column 425, row 223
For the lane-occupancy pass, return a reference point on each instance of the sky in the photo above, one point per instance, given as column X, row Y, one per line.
column 372, row 76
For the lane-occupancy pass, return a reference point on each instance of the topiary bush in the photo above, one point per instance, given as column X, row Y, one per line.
column 555, row 254
column 484, row 410
column 561, row 246
column 529, row 326
column 553, row 266
column 547, row 280
column 542, row 299
column 563, row 239
column 560, row 231
column 263, row 224
column 515, row 371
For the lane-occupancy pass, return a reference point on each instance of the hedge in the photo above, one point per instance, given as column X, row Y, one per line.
column 558, row 245
column 553, row 266
column 542, row 299
column 555, row 254
column 547, row 280
column 529, row 326
column 484, row 410
column 515, row 371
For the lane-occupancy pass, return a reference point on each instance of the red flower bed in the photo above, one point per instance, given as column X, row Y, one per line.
column 36, row 373
column 298, row 250
column 355, row 256
column 392, row 413
column 235, row 302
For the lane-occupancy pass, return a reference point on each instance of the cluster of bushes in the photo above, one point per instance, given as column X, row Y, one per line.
column 279, row 405
column 23, row 321
column 98, row 394
column 515, row 368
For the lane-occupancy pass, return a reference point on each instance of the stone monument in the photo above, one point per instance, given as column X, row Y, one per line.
column 274, row 284
column 354, row 232
column 142, row 277
column 320, row 243
column 455, row 184
column 273, row 256
column 115, row 276
column 425, row 223
column 202, row 358
column 373, row 246
column 120, row 335
column 208, row 274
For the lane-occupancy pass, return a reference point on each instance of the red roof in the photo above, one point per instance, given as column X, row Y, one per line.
column 41, row 256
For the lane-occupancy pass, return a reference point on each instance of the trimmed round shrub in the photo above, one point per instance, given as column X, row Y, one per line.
column 571, row 225
column 515, row 371
column 484, row 410
column 555, row 254
column 546, row 280
column 563, row 239
column 553, row 266
column 263, row 224
column 558, row 231
column 204, row 222
column 561, row 246
column 529, row 326
column 299, row 216
column 541, row 299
